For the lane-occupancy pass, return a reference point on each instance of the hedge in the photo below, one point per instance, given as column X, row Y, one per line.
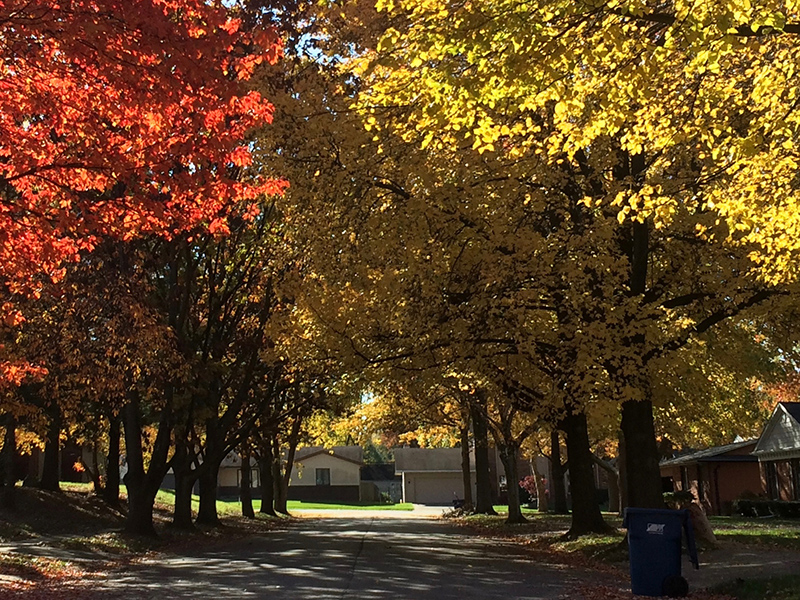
column 767, row 508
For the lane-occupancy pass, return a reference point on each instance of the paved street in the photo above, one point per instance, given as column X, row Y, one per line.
column 402, row 557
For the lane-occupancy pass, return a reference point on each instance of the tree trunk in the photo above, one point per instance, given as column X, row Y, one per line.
column 93, row 470
column 143, row 485
column 541, row 489
column 642, row 474
column 483, row 479
column 294, row 439
column 267, row 481
column 465, row 468
column 9, row 455
column 111, row 491
column 279, row 499
column 207, row 511
column 586, row 515
column 557, row 489
column 508, row 455
column 51, row 466
column 245, row 492
column 182, row 511
column 623, row 470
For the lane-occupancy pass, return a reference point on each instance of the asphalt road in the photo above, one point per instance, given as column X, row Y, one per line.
column 366, row 558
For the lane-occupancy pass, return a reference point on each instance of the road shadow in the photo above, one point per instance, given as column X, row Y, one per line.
column 352, row 558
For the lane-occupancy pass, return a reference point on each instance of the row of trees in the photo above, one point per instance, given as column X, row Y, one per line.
column 560, row 207
column 534, row 218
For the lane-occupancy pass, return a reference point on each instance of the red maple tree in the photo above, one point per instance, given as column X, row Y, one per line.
column 120, row 118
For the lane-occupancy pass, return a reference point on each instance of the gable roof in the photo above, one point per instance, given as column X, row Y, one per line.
column 793, row 408
column 715, row 454
column 351, row 454
column 781, row 436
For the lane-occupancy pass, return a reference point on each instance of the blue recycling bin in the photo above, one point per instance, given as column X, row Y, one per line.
column 654, row 543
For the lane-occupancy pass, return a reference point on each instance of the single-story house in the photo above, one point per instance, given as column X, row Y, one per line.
column 327, row 474
column 432, row 475
column 778, row 453
column 715, row 476
column 229, row 477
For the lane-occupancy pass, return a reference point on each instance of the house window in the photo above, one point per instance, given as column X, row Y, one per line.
column 254, row 478
column 796, row 478
column 323, row 476
column 685, row 480
column 772, row 480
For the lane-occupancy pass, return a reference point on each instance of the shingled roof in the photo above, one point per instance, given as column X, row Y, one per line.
column 715, row 454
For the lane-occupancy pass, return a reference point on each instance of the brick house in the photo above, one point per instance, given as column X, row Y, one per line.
column 715, row 476
column 778, row 453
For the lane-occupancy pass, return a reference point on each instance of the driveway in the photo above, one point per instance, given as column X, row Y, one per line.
column 367, row 558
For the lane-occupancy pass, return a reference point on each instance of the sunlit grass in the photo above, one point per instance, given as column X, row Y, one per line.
column 300, row 505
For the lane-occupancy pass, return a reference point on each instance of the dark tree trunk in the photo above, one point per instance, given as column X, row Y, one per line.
column 9, row 454
column 558, row 490
column 483, row 478
column 279, row 499
column 143, row 485
column 508, row 455
column 267, row 480
column 185, row 478
column 245, row 492
column 642, row 476
column 93, row 470
column 586, row 515
column 182, row 511
column 111, row 491
column 623, row 474
column 51, row 465
column 294, row 439
column 465, row 468
column 207, row 511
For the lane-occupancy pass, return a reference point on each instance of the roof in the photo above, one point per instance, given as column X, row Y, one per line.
column 427, row 459
column 793, row 408
column 781, row 437
column 351, row 454
column 715, row 454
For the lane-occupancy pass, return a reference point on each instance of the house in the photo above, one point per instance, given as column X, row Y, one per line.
column 432, row 475
column 229, row 477
column 715, row 476
column 327, row 475
column 778, row 453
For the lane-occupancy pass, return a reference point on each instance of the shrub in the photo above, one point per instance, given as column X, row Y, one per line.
column 679, row 499
column 748, row 507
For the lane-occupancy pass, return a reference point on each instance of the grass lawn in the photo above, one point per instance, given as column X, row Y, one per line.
column 166, row 498
column 784, row 533
column 774, row 588
column 300, row 505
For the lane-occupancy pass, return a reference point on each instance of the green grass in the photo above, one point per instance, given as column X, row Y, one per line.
column 224, row 507
column 300, row 505
column 783, row 533
column 786, row 587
